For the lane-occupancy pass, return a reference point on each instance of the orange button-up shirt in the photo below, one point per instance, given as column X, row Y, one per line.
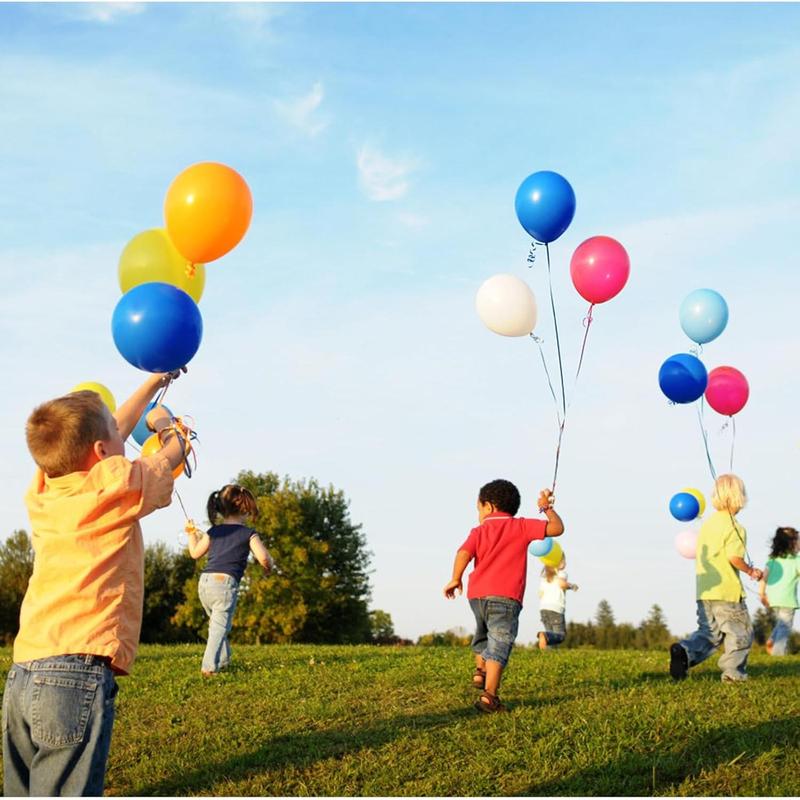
column 87, row 589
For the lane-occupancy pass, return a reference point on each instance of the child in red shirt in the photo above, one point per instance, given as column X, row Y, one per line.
column 499, row 546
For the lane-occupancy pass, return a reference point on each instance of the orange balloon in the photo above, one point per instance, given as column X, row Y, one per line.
column 207, row 211
column 152, row 445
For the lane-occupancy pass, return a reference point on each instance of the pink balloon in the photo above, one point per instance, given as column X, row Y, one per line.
column 727, row 390
column 686, row 543
column 599, row 268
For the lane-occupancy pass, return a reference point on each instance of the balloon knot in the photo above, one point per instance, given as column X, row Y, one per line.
column 191, row 269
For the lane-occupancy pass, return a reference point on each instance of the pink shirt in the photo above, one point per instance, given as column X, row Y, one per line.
column 500, row 549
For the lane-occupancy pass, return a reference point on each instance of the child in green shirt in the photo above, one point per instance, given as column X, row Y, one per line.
column 778, row 587
column 722, row 616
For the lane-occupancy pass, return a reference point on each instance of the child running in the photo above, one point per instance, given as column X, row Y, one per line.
column 82, row 611
column 722, row 615
column 228, row 543
column 778, row 587
column 499, row 546
column 553, row 589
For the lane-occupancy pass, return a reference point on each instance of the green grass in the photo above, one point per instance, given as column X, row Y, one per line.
column 308, row 720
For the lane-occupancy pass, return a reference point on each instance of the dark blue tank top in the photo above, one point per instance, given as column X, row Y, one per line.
column 228, row 550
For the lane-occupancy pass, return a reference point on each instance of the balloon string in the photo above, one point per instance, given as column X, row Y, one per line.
column 587, row 323
column 162, row 394
column 555, row 326
column 547, row 374
column 183, row 508
column 704, row 432
column 532, row 255
column 733, row 438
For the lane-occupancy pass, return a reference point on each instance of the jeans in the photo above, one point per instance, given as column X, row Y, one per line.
column 57, row 718
column 497, row 623
column 783, row 627
column 718, row 622
column 555, row 628
column 218, row 594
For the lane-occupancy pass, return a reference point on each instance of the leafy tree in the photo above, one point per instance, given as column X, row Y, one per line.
column 381, row 626
column 449, row 638
column 165, row 575
column 320, row 587
column 16, row 567
column 653, row 633
column 604, row 616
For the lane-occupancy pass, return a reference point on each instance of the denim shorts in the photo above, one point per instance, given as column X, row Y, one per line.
column 496, row 626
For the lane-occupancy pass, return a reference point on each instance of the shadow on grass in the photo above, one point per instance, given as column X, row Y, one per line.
column 301, row 750
column 644, row 774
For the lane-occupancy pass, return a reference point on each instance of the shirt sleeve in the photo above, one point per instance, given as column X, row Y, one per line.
column 735, row 541
column 561, row 574
column 471, row 543
column 534, row 528
column 155, row 482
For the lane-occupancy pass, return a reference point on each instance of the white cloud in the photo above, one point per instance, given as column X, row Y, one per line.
column 107, row 13
column 381, row 177
column 254, row 18
column 300, row 112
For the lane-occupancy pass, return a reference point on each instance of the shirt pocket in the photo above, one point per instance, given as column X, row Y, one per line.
column 60, row 709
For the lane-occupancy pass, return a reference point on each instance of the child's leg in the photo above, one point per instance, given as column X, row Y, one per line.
column 479, row 640
column 782, row 630
column 65, row 706
column 737, row 628
column 502, row 621
column 219, row 596
column 555, row 630
column 18, row 749
column 708, row 636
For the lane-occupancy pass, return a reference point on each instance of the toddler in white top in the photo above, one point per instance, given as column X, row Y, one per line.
column 553, row 589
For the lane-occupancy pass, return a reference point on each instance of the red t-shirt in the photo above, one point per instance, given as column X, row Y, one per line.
column 500, row 549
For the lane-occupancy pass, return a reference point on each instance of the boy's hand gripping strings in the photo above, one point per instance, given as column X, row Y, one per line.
column 163, row 426
column 546, row 500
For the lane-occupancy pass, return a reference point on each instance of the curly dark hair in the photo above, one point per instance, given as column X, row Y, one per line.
column 502, row 494
column 783, row 542
column 230, row 500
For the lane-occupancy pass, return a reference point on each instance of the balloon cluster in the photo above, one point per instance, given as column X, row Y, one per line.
column 156, row 324
column 683, row 379
column 599, row 268
column 685, row 506
column 548, row 551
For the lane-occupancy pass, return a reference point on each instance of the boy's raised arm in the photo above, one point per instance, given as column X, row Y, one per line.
column 129, row 413
column 555, row 525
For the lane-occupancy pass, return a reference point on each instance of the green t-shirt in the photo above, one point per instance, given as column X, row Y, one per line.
column 782, row 581
column 720, row 538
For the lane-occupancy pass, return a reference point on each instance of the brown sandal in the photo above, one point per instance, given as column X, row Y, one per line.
column 479, row 678
column 489, row 703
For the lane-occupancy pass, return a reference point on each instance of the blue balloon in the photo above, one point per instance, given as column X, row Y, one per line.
column 684, row 506
column 683, row 378
column 545, row 205
column 141, row 433
column 704, row 315
column 540, row 547
column 157, row 327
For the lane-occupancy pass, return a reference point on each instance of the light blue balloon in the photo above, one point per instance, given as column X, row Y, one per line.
column 541, row 547
column 704, row 315
column 141, row 433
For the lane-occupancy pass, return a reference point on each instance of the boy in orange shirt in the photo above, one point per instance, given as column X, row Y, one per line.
column 82, row 612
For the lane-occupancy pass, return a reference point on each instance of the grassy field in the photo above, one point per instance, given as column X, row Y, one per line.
column 309, row 720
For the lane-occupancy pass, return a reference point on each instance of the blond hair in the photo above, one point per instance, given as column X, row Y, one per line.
column 61, row 432
column 729, row 494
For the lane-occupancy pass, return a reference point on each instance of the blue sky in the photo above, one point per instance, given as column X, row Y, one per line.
column 383, row 145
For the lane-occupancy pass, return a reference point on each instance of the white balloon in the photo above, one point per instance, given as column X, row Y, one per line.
column 506, row 305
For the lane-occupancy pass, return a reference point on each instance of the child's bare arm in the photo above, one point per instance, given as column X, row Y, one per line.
column 129, row 413
column 739, row 563
column 459, row 565
column 199, row 541
column 174, row 443
column 555, row 525
column 762, row 588
column 261, row 554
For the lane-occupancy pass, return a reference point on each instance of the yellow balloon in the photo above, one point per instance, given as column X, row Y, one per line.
column 553, row 558
column 152, row 257
column 103, row 391
column 698, row 495
column 153, row 445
